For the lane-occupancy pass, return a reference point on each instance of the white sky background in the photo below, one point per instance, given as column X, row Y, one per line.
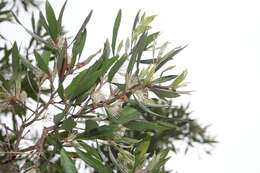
column 222, row 59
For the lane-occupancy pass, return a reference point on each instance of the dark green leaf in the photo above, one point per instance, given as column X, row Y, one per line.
column 145, row 125
column 136, row 21
column 57, row 118
column 87, row 81
column 179, row 79
column 61, row 14
column 106, row 50
column 115, row 30
column 116, row 67
column 141, row 150
column 66, row 162
column 137, row 53
column 68, row 124
column 44, row 23
column 90, row 124
column 15, row 60
column 151, row 38
column 168, row 57
column 95, row 163
column 41, row 63
column 163, row 93
column 127, row 114
column 92, row 151
column 102, row 132
column 78, row 46
column 83, row 25
column 52, row 21
column 164, row 79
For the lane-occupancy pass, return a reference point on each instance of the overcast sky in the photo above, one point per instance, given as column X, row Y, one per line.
column 222, row 59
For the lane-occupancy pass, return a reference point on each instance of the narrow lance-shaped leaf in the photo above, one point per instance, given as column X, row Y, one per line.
column 62, row 61
column 115, row 30
column 128, row 114
column 143, row 25
column 136, row 21
column 61, row 14
column 78, row 47
column 91, row 161
column 83, row 26
column 91, row 150
column 52, row 21
column 163, row 79
column 140, row 151
column 116, row 67
column 15, row 60
column 86, row 80
column 137, row 52
column 41, row 63
column 163, row 93
column 16, row 67
column 66, row 162
column 151, row 38
column 179, row 80
column 44, row 23
column 168, row 57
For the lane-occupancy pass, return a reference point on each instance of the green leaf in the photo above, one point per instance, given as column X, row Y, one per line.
column 106, row 50
column 102, row 132
column 46, row 56
column 61, row 14
column 136, row 21
column 61, row 91
column 78, row 46
column 115, row 30
column 163, row 93
column 145, row 126
column 116, row 67
column 143, row 25
column 86, row 80
column 90, row 124
column 28, row 64
column 92, row 151
column 68, row 124
column 164, row 79
column 66, row 162
column 88, row 77
column 137, row 53
column 168, row 57
column 179, row 80
column 127, row 114
column 15, row 61
column 146, row 109
column 141, row 150
column 30, row 85
column 157, row 161
column 41, row 63
column 151, row 38
column 93, row 162
column 83, row 26
column 52, row 21
column 44, row 23
column 57, row 118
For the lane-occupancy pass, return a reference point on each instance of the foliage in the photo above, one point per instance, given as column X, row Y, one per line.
column 112, row 111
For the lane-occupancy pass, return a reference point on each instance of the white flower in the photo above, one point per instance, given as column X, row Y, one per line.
column 115, row 108
column 141, row 94
column 97, row 97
